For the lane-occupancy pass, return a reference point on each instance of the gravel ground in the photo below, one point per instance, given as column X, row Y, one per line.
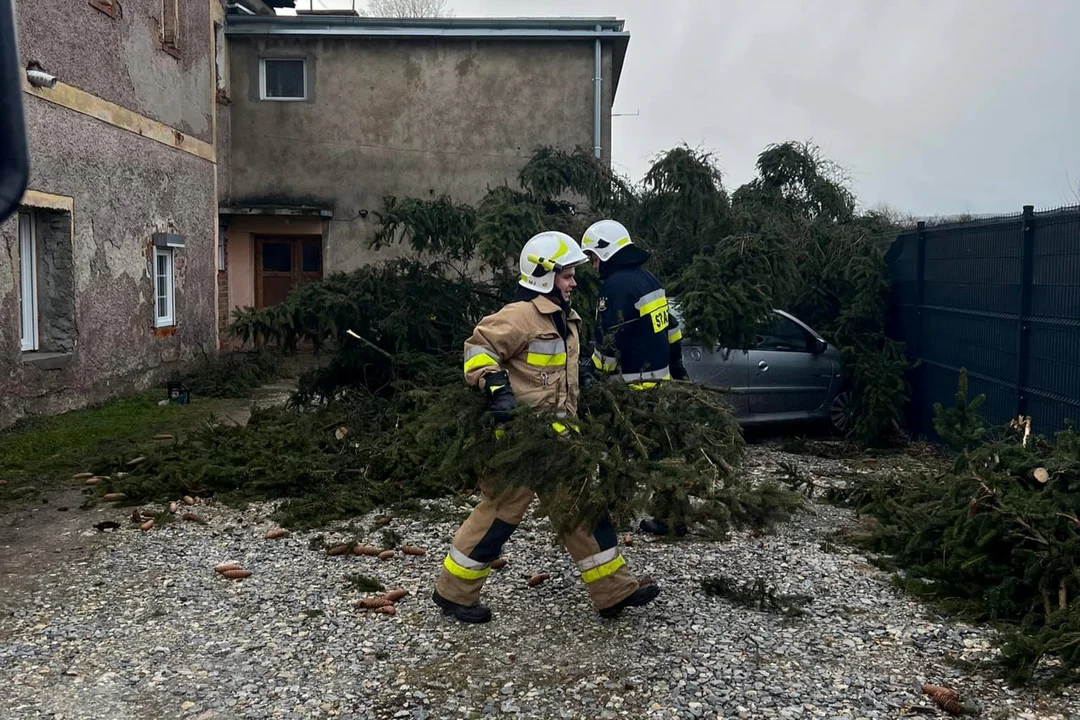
column 140, row 626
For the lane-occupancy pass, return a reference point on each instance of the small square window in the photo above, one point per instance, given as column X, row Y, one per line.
column 282, row 79
column 164, row 300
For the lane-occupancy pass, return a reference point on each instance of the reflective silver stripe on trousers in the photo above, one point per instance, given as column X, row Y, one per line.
column 660, row 374
column 547, row 347
column 465, row 561
column 648, row 298
column 598, row 559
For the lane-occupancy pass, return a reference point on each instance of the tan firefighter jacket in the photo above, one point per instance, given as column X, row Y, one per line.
column 523, row 339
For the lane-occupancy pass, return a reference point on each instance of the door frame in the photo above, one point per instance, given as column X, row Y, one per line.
column 298, row 241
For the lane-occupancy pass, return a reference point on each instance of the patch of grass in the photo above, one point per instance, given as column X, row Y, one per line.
column 364, row 583
column 41, row 453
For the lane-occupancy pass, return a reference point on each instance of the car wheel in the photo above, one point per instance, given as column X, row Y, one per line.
column 840, row 413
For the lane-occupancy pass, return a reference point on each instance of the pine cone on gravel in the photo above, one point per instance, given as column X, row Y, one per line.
column 396, row 595
column 238, row 574
column 946, row 698
column 373, row 603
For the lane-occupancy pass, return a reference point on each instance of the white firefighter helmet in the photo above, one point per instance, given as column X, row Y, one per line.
column 546, row 255
column 605, row 238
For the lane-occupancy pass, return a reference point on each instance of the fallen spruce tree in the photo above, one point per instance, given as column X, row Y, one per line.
column 996, row 537
column 790, row 239
column 388, row 416
column 414, row 430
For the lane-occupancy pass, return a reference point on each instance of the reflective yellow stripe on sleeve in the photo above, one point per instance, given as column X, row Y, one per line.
column 477, row 357
column 674, row 336
column 649, row 302
column 603, row 362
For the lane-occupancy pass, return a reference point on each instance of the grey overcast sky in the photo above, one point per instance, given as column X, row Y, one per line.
column 934, row 107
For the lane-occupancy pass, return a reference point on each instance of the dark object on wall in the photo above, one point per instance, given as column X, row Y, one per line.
column 14, row 153
column 168, row 240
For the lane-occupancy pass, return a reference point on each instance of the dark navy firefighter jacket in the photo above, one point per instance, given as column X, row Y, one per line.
column 636, row 335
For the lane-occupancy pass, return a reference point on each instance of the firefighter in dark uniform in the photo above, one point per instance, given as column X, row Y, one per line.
column 636, row 335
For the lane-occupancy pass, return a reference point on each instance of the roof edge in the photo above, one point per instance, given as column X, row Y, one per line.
column 294, row 22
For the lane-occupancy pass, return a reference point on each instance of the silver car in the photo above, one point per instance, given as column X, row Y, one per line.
column 790, row 375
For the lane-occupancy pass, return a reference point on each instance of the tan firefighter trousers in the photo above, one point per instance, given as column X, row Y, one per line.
column 480, row 539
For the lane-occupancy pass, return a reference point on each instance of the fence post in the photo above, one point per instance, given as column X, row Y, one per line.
column 918, row 395
column 1023, row 329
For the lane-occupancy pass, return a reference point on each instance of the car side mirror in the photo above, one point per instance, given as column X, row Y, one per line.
column 819, row 346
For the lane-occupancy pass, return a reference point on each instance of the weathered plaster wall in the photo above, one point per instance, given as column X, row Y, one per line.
column 121, row 59
column 125, row 188
column 408, row 118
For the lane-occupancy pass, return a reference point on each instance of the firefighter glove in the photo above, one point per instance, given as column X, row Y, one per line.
column 501, row 402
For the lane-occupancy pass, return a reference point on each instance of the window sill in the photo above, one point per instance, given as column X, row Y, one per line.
column 47, row 360
column 171, row 49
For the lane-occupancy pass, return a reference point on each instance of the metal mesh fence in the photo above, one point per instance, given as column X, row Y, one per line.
column 998, row 296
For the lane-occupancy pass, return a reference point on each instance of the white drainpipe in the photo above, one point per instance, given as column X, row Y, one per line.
column 597, row 81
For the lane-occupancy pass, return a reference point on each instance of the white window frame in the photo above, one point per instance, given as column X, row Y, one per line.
column 28, row 296
column 169, row 319
column 262, row 80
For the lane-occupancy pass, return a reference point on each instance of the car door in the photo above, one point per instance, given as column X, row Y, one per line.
column 721, row 368
column 787, row 376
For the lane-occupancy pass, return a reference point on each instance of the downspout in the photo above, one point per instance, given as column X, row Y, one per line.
column 597, row 82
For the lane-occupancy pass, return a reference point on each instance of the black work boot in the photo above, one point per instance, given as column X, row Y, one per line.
column 659, row 527
column 639, row 598
column 464, row 613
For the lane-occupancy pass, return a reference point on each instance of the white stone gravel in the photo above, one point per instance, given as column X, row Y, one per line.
column 142, row 627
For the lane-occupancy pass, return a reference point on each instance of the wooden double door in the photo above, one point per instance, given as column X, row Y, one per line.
column 284, row 262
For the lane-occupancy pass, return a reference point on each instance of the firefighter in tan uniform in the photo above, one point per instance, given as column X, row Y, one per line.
column 528, row 353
